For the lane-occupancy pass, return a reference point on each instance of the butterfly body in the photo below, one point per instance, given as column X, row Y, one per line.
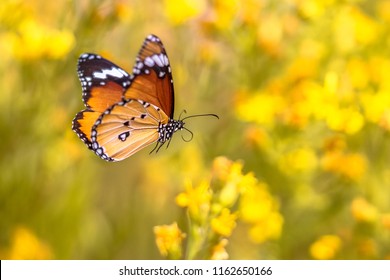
column 126, row 112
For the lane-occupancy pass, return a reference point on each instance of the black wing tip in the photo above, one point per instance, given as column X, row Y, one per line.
column 88, row 55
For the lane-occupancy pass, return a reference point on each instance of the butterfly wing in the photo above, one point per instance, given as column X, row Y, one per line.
column 153, row 81
column 126, row 128
column 103, row 84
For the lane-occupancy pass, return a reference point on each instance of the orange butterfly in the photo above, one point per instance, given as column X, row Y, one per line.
column 126, row 113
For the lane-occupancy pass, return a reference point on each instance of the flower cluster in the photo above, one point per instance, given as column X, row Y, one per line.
column 25, row 37
column 214, row 209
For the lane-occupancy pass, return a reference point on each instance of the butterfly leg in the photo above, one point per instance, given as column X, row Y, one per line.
column 169, row 142
column 157, row 147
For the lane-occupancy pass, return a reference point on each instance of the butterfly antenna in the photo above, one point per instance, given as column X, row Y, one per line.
column 200, row 115
column 193, row 116
column 192, row 135
column 182, row 112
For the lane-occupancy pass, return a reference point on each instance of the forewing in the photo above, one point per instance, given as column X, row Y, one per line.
column 152, row 80
column 103, row 83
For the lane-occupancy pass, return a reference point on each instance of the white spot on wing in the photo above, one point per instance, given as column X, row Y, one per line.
column 165, row 59
column 157, row 59
column 149, row 62
column 114, row 72
column 140, row 65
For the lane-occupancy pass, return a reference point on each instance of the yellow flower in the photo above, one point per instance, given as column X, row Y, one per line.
column 301, row 67
column 258, row 137
column 256, row 204
column 225, row 13
column 8, row 42
column 270, row 33
column 229, row 181
column 269, row 228
column 36, row 41
column 32, row 40
column 26, row 246
column 353, row 28
column 237, row 178
column 326, row 247
column 386, row 220
column 331, row 82
column 196, row 200
column 250, row 12
column 383, row 10
column 365, row 28
column 124, row 11
column 261, row 108
column 385, row 120
column 312, row 49
column 379, row 67
column 363, row 211
column 169, row 240
column 218, row 252
column 352, row 166
column 348, row 120
column 181, row 11
column 221, row 168
column 314, row 99
column 312, row 9
column 260, row 209
column 376, row 106
column 61, row 43
column 298, row 160
column 357, row 70
column 225, row 223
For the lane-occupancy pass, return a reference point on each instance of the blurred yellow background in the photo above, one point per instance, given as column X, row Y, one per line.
column 297, row 167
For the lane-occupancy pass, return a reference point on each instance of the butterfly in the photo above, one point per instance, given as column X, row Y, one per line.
column 127, row 112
